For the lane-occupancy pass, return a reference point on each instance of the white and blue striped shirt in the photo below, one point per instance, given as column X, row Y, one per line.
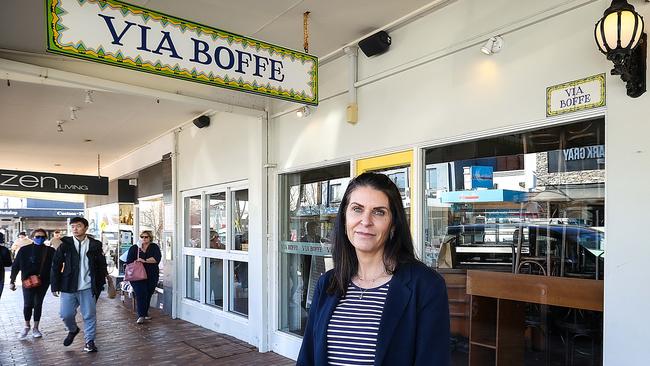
column 354, row 325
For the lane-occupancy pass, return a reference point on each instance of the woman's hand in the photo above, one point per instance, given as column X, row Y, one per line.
column 140, row 260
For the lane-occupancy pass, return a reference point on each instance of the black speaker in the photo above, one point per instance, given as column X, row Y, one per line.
column 376, row 44
column 202, row 121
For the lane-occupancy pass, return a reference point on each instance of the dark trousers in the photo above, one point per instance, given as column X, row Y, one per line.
column 143, row 291
column 33, row 300
column 2, row 283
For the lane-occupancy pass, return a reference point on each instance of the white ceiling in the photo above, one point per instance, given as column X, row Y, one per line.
column 115, row 123
column 118, row 124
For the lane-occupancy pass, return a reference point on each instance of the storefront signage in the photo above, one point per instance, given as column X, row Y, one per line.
column 576, row 95
column 129, row 36
column 587, row 152
column 485, row 195
column 577, row 159
column 478, row 177
column 14, row 180
column 296, row 247
column 39, row 212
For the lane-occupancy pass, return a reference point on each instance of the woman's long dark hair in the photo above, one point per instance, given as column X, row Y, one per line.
column 398, row 248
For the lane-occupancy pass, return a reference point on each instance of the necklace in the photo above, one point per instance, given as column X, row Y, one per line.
column 372, row 283
column 363, row 291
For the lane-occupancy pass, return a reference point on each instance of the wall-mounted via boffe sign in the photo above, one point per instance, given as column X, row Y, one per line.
column 576, row 95
column 120, row 34
column 14, row 180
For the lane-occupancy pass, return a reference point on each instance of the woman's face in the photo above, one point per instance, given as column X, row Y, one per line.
column 368, row 220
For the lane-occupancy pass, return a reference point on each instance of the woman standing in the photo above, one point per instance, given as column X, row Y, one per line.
column 379, row 305
column 33, row 259
column 149, row 254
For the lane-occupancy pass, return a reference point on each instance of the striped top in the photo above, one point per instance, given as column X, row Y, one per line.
column 354, row 325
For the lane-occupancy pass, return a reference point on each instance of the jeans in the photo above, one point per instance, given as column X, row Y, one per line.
column 33, row 300
column 70, row 301
column 143, row 292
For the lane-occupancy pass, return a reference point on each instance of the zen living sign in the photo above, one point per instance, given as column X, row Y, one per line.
column 129, row 36
column 576, row 95
column 14, row 180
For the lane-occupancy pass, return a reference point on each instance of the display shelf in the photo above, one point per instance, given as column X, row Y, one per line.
column 481, row 356
column 483, row 321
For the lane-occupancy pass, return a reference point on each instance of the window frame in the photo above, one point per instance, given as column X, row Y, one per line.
column 203, row 253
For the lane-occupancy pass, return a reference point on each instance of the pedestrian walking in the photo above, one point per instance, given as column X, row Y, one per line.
column 56, row 239
column 149, row 254
column 379, row 305
column 79, row 274
column 34, row 262
column 20, row 242
column 5, row 261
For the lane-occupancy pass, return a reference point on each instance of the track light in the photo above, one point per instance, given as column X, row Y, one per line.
column 492, row 45
column 89, row 97
column 73, row 113
column 303, row 111
column 59, row 126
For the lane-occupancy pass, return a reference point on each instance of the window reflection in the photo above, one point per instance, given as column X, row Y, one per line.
column 193, row 211
column 310, row 202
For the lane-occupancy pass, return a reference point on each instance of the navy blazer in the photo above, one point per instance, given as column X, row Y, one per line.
column 414, row 327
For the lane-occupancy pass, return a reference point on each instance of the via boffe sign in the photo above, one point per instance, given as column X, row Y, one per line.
column 14, row 180
column 129, row 36
column 576, row 95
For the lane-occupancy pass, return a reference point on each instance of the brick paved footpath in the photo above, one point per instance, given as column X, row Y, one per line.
column 161, row 341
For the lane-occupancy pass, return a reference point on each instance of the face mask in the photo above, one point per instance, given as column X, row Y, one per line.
column 39, row 240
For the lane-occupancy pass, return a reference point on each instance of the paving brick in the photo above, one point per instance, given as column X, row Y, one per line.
column 162, row 341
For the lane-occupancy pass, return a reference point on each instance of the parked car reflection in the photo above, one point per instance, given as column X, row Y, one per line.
column 573, row 249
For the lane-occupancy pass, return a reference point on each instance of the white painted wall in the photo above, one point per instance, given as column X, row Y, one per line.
column 231, row 149
column 461, row 92
column 143, row 157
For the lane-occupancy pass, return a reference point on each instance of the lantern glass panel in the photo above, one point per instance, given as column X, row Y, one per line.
column 627, row 29
column 611, row 30
column 599, row 37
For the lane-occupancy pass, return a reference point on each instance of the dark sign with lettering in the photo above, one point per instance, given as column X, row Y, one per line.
column 14, row 180
column 577, row 159
column 39, row 212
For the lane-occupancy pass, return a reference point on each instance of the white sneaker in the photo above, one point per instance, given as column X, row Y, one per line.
column 147, row 318
column 24, row 333
column 140, row 320
column 36, row 333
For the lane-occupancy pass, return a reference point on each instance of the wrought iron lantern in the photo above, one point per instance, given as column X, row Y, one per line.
column 619, row 35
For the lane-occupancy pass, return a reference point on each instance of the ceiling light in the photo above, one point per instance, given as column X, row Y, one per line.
column 73, row 113
column 59, row 126
column 303, row 111
column 89, row 97
column 493, row 45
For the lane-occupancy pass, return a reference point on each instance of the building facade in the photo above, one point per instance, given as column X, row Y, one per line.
column 253, row 195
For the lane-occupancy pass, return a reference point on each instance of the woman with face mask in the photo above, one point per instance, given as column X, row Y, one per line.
column 33, row 260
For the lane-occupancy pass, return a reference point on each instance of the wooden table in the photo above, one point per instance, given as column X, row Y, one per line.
column 497, row 316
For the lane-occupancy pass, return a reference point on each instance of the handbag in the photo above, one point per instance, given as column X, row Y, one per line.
column 135, row 271
column 35, row 280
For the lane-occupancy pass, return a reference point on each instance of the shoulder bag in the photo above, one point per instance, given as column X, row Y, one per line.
column 35, row 280
column 135, row 271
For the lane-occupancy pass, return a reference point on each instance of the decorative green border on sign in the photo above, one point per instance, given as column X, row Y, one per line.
column 55, row 27
column 600, row 77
